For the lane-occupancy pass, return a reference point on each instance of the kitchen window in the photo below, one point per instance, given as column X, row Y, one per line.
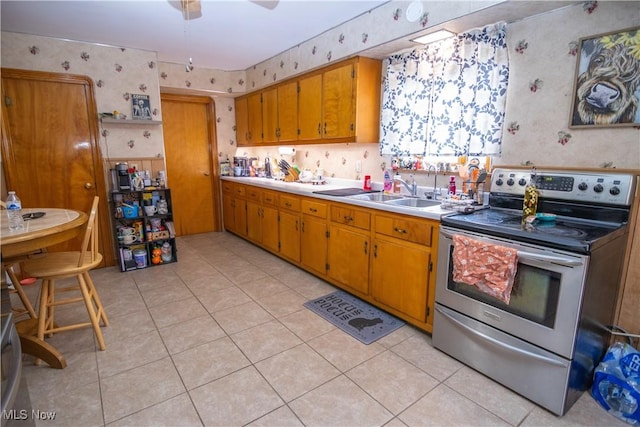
column 448, row 98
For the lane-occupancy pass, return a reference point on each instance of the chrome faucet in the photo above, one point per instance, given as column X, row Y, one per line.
column 435, row 178
column 412, row 188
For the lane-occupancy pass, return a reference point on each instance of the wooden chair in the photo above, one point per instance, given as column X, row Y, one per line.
column 59, row 265
column 9, row 263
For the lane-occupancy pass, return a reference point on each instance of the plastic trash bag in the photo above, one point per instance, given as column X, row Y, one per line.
column 616, row 382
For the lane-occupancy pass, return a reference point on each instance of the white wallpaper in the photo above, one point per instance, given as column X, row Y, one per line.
column 536, row 124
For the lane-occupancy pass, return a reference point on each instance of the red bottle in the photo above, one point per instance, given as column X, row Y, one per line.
column 452, row 185
column 367, row 182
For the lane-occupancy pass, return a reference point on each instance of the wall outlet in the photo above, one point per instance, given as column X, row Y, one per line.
column 358, row 166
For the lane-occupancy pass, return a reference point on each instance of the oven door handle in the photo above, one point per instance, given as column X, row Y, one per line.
column 495, row 342
column 555, row 259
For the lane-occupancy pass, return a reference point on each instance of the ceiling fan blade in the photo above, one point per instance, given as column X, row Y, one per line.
column 191, row 9
column 267, row 4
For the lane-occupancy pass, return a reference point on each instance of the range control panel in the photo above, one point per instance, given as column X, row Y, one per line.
column 592, row 187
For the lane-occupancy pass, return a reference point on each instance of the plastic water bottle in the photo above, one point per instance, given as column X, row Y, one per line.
column 14, row 211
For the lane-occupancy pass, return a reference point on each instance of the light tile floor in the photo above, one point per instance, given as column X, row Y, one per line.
column 221, row 338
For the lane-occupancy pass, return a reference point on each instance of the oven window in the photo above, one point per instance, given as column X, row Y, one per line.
column 534, row 295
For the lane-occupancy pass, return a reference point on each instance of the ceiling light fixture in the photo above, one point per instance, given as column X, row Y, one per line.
column 433, row 37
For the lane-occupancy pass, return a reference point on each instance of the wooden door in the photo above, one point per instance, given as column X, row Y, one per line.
column 288, row 112
column 189, row 139
column 337, row 100
column 49, row 146
column 310, row 108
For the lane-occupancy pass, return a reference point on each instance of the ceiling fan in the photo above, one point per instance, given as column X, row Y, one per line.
column 191, row 9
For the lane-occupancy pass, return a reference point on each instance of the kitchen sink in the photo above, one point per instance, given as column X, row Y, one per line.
column 377, row 197
column 414, row 203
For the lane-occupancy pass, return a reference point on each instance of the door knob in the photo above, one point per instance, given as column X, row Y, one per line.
column 206, row 173
column 88, row 185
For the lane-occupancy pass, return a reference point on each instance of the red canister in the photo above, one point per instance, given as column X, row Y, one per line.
column 367, row 182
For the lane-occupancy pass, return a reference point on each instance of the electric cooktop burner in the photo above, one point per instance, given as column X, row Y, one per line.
column 563, row 233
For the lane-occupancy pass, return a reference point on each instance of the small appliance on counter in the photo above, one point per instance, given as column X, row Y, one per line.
column 240, row 166
column 120, row 178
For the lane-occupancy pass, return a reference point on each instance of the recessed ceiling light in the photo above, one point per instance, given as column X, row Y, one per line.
column 433, row 37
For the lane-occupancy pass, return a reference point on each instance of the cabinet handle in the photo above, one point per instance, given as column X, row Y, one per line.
column 287, row 204
column 325, row 128
column 399, row 230
column 348, row 218
column 296, row 225
column 313, row 210
column 366, row 244
column 375, row 250
column 303, row 227
column 319, row 128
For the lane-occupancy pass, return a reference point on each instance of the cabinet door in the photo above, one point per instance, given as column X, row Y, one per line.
column 242, row 121
column 310, row 108
column 348, row 255
column 314, row 244
column 228, row 212
column 254, row 109
column 288, row 112
column 289, row 233
column 240, row 212
column 270, row 116
column 270, row 235
column 337, row 102
column 400, row 277
column 254, row 222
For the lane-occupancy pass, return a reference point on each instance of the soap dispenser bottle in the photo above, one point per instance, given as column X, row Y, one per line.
column 387, row 182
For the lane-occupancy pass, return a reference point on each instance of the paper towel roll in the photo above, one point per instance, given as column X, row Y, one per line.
column 286, row 151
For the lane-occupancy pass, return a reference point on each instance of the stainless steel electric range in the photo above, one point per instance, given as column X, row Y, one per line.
column 545, row 343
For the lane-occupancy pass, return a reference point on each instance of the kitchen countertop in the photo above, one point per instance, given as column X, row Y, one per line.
column 307, row 189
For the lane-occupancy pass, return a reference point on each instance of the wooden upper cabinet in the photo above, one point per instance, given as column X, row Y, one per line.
column 338, row 103
column 254, row 108
column 310, row 108
column 288, row 112
column 270, row 115
column 242, row 121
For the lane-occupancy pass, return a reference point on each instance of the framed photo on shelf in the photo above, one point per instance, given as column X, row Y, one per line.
column 141, row 107
column 606, row 90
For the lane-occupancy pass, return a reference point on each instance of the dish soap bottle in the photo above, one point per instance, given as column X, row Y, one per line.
column 396, row 183
column 387, row 182
column 530, row 205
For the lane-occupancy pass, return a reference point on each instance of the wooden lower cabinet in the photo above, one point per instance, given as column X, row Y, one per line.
column 384, row 258
column 313, row 244
column 348, row 256
column 400, row 277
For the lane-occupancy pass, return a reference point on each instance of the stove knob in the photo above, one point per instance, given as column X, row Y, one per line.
column 614, row 191
column 522, row 182
column 499, row 181
column 510, row 181
column 598, row 188
column 583, row 186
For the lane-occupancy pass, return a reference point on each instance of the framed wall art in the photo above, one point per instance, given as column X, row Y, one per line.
column 606, row 90
column 141, row 107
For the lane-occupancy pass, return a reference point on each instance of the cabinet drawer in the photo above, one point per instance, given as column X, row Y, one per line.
column 239, row 190
column 291, row 203
column 411, row 230
column 349, row 216
column 254, row 194
column 270, row 198
column 314, row 208
column 227, row 187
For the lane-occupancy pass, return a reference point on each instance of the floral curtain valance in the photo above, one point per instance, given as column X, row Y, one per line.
column 447, row 98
